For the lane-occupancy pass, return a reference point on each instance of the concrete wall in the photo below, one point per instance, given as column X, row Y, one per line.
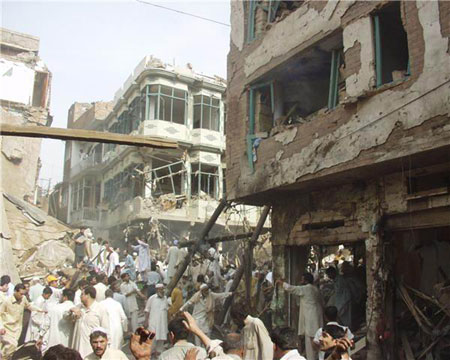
column 370, row 128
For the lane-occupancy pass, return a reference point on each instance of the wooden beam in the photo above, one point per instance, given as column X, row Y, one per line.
column 201, row 239
column 423, row 219
column 85, row 135
column 240, row 271
column 221, row 239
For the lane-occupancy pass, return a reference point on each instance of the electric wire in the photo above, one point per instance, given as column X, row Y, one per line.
column 182, row 12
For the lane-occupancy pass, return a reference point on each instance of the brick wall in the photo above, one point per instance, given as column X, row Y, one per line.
column 240, row 182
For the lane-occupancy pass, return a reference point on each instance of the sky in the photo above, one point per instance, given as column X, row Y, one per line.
column 91, row 47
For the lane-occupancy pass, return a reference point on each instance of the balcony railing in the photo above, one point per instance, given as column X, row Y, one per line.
column 82, row 214
column 91, row 161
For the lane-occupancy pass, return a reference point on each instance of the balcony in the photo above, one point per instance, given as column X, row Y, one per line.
column 90, row 162
column 209, row 138
column 164, row 129
column 85, row 216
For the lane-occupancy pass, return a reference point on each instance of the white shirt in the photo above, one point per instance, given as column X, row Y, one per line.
column 100, row 289
column 292, row 355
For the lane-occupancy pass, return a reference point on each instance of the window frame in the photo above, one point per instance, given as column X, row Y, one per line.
column 207, row 107
column 157, row 95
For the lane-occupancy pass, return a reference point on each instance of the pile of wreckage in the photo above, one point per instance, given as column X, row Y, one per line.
column 32, row 243
column 424, row 323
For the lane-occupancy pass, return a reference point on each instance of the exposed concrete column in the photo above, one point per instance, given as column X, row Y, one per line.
column 375, row 274
column 279, row 266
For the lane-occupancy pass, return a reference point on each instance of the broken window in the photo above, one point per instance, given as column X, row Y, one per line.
column 206, row 112
column 263, row 12
column 168, row 179
column 391, row 45
column 205, row 180
column 166, row 103
column 40, row 89
column 293, row 92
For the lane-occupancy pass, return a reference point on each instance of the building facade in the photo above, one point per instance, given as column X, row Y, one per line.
column 111, row 187
column 25, row 85
column 338, row 117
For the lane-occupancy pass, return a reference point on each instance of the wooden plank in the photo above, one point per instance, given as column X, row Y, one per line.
column 240, row 271
column 423, row 219
column 85, row 135
column 224, row 238
column 181, row 268
column 407, row 347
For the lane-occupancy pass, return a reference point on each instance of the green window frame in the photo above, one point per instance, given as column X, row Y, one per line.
column 168, row 103
column 206, row 112
column 251, row 128
column 379, row 53
column 271, row 9
column 333, row 94
column 204, row 178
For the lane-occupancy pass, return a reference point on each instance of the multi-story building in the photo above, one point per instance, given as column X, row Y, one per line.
column 109, row 187
column 338, row 116
column 24, row 100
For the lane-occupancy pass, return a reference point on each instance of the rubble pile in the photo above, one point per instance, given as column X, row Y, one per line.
column 39, row 242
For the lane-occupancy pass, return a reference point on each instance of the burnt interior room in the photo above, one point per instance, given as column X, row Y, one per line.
column 301, row 86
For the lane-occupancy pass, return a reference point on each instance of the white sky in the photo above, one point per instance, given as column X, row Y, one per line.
column 91, row 47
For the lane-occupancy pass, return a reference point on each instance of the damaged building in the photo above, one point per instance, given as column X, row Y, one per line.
column 338, row 117
column 120, row 190
column 27, row 233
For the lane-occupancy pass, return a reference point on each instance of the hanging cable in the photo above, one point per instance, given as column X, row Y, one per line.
column 183, row 12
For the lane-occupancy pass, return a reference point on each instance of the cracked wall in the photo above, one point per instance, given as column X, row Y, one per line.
column 342, row 138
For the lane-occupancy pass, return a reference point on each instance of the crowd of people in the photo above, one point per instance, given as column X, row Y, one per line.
column 112, row 295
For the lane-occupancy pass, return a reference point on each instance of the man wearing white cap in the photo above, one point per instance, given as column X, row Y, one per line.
column 100, row 350
column 156, row 316
column 172, row 261
column 204, row 302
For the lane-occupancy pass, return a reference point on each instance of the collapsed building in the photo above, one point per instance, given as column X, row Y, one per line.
column 25, row 85
column 338, row 117
column 121, row 191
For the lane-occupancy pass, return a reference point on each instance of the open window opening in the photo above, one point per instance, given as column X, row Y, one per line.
column 40, row 89
column 205, row 181
column 304, row 85
column 206, row 112
column 262, row 13
column 428, row 184
column 391, row 45
column 124, row 186
column 168, row 178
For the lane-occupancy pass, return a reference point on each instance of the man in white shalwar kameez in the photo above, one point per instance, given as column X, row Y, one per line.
column 39, row 322
column 130, row 290
column 118, row 322
column 35, row 289
column 101, row 287
column 310, row 315
column 172, row 261
column 204, row 302
column 61, row 327
column 156, row 317
column 88, row 316
column 257, row 342
column 144, row 260
column 113, row 261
